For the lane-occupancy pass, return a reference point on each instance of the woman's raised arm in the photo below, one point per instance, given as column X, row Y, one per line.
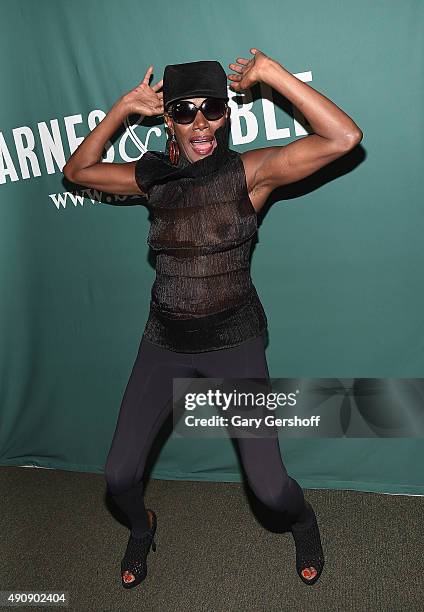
column 85, row 167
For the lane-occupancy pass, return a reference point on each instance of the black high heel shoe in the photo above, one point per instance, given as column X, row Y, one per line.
column 309, row 553
column 135, row 558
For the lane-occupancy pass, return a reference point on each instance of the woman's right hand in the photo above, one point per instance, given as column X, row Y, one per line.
column 143, row 99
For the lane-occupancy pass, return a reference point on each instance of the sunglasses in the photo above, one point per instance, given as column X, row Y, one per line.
column 185, row 112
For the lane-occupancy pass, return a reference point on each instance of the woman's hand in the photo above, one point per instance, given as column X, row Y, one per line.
column 250, row 71
column 143, row 99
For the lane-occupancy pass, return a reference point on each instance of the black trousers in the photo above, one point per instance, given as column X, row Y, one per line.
column 146, row 404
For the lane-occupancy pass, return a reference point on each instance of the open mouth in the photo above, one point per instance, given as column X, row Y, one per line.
column 202, row 146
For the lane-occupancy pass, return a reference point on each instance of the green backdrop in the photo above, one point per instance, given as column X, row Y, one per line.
column 338, row 264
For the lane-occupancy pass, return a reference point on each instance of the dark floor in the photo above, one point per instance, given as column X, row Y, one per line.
column 217, row 550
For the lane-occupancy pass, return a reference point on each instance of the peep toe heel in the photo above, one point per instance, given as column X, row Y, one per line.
column 134, row 562
column 309, row 553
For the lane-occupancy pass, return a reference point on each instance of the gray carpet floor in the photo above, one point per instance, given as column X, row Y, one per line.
column 217, row 549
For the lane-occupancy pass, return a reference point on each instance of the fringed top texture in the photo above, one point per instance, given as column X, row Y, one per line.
column 202, row 228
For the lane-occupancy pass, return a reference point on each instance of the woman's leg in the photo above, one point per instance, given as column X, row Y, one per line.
column 261, row 456
column 146, row 404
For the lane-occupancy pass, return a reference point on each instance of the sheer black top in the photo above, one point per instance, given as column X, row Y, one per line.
column 202, row 227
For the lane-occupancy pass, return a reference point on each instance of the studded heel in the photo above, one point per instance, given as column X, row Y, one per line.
column 309, row 553
column 134, row 562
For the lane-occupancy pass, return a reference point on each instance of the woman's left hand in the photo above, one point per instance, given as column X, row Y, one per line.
column 250, row 71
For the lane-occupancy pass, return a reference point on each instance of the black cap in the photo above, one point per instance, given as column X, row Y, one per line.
column 194, row 79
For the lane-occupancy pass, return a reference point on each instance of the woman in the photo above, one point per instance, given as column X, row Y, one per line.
column 205, row 316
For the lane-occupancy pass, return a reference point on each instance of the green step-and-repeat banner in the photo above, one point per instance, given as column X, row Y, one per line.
column 339, row 260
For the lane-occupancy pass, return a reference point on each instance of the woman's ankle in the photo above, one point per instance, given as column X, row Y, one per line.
column 139, row 531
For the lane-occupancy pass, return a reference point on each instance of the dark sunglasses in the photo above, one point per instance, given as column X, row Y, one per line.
column 185, row 111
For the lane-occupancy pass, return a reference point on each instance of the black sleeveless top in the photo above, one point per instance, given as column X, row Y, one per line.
column 202, row 227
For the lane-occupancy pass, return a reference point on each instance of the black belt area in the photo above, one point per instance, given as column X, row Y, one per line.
column 197, row 323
